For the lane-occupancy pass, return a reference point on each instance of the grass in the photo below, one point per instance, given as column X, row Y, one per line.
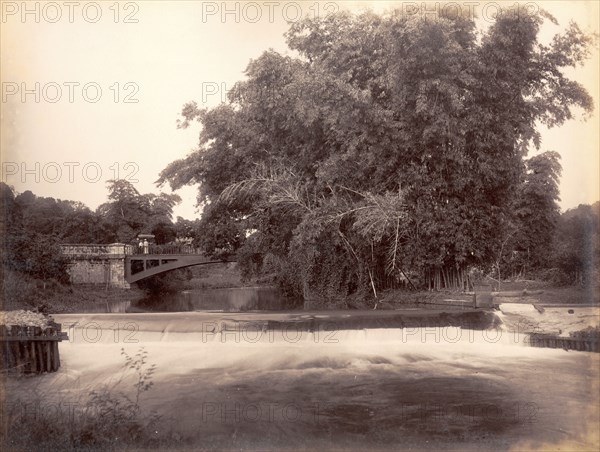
column 109, row 418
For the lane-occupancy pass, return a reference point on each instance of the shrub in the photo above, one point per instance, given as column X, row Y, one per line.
column 554, row 276
column 109, row 419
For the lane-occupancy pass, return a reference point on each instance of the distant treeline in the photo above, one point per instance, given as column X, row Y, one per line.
column 33, row 226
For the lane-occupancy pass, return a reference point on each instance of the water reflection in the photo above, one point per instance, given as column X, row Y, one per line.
column 107, row 306
column 240, row 299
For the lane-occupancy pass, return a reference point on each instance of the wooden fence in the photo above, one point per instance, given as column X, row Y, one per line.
column 566, row 343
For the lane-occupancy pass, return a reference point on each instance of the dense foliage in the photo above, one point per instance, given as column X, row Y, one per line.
column 32, row 227
column 576, row 245
column 391, row 151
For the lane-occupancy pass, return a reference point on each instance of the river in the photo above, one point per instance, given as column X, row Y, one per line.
column 241, row 374
column 239, row 299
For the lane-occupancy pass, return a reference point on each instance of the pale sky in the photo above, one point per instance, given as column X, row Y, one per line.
column 112, row 78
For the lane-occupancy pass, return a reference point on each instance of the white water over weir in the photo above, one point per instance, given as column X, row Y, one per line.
column 340, row 379
column 203, row 328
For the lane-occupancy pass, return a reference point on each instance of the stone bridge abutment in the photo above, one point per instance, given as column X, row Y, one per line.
column 97, row 265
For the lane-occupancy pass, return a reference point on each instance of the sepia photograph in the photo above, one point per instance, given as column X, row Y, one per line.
column 300, row 225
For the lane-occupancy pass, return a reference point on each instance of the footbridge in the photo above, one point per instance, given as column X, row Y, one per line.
column 119, row 265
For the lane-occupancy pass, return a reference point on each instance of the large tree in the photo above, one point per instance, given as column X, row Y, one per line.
column 536, row 213
column 392, row 143
column 28, row 227
column 129, row 213
column 576, row 246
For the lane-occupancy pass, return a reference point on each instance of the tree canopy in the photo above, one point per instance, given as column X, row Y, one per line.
column 394, row 147
column 130, row 213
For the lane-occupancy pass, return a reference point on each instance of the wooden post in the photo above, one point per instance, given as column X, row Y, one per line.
column 30, row 350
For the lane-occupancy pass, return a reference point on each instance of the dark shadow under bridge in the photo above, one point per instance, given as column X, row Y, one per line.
column 141, row 266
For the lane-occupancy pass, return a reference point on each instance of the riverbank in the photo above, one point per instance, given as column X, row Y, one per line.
column 51, row 297
column 22, row 292
column 531, row 292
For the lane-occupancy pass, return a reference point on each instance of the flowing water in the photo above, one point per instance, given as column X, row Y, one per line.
column 324, row 380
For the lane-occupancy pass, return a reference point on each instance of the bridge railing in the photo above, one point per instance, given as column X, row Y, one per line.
column 168, row 249
column 89, row 249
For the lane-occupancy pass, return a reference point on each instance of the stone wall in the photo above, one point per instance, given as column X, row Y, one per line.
column 97, row 265
column 100, row 272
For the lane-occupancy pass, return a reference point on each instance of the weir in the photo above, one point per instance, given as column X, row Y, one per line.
column 312, row 377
